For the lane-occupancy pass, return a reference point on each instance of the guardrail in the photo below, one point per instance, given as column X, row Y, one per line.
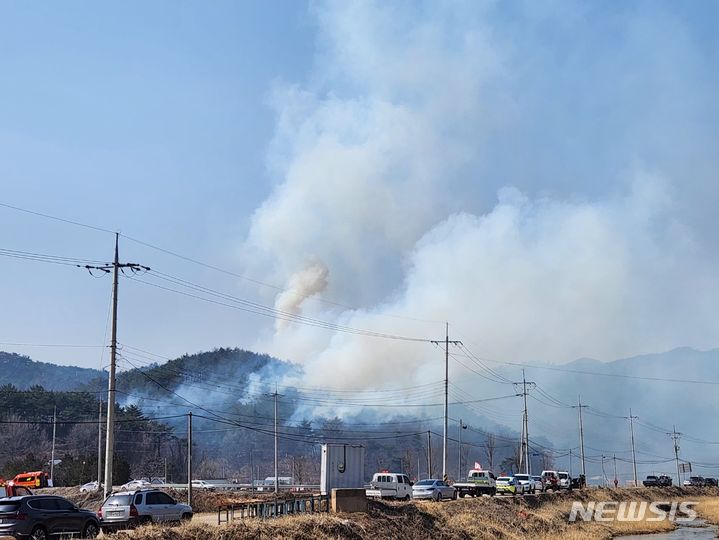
column 227, row 513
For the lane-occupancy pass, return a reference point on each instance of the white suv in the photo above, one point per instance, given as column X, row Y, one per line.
column 127, row 509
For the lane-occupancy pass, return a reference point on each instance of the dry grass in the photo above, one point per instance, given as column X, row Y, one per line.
column 541, row 517
column 708, row 509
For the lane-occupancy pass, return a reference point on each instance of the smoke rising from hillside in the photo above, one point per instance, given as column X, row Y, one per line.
column 302, row 285
column 419, row 167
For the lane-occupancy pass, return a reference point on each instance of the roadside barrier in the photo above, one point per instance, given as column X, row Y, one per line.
column 227, row 513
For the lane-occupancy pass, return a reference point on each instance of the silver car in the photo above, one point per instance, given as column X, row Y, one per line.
column 435, row 490
column 127, row 509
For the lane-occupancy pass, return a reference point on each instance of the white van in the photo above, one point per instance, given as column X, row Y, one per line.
column 387, row 485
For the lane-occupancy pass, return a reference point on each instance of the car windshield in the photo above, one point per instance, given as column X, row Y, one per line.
column 522, row 477
column 118, row 500
column 651, row 477
column 696, row 478
column 563, row 475
column 503, row 479
column 425, row 483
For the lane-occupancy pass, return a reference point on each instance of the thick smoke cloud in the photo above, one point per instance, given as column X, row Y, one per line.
column 418, row 167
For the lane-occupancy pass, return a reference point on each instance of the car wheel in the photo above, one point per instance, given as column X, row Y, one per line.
column 186, row 516
column 461, row 495
column 91, row 530
column 38, row 533
column 406, row 497
column 439, row 497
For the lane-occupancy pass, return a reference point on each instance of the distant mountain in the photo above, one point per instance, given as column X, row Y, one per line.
column 22, row 372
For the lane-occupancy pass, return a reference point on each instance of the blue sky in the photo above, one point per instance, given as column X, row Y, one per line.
column 561, row 157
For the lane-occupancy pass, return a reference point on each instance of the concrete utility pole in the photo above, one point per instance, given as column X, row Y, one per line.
column 429, row 454
column 115, row 268
column 634, row 455
column 459, row 458
column 52, row 454
column 570, row 462
column 675, row 438
column 579, row 406
column 616, row 480
column 277, row 484
column 189, row 458
column 99, row 448
column 447, row 342
column 524, row 453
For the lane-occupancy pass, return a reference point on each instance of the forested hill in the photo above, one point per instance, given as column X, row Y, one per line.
column 23, row 373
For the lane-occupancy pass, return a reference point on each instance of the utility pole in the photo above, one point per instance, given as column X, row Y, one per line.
column 252, row 470
column 189, row 458
column 570, row 462
column 115, row 268
column 429, row 454
column 616, row 480
column 447, row 342
column 524, row 453
column 604, row 474
column 675, row 438
column 579, row 406
column 277, row 484
column 634, row 455
column 459, row 458
column 99, row 448
column 52, row 455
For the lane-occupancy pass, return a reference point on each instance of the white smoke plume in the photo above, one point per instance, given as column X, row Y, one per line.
column 393, row 164
column 302, row 285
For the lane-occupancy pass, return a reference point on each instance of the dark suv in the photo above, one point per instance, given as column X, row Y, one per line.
column 39, row 516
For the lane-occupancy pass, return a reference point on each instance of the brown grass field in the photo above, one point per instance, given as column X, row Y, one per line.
column 539, row 517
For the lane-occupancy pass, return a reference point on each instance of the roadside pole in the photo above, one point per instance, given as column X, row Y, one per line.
column 99, row 448
column 52, row 455
column 189, row 458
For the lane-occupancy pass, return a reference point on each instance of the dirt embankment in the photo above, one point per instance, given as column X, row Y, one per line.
column 539, row 517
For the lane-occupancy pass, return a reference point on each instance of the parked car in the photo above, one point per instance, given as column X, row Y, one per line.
column 664, row 480
column 90, row 487
column 651, row 481
column 539, row 483
column 433, row 489
column 127, row 509
column 38, row 517
column 478, row 483
column 507, row 484
column 387, row 485
column 694, row 481
column 565, row 481
column 202, row 484
column 711, row 482
column 525, row 484
column 551, row 480
column 580, row 482
column 133, row 485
